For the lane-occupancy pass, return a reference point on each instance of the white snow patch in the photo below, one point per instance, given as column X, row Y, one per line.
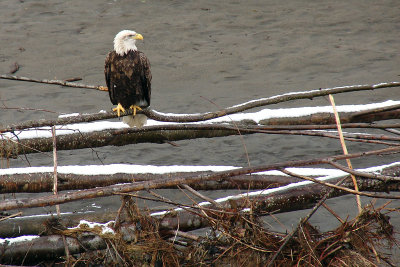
column 299, row 112
column 45, row 132
column 136, row 169
column 104, row 226
column 69, row 115
column 96, row 206
column 115, row 168
column 18, row 239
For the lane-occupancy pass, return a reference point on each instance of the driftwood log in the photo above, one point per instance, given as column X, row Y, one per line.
column 169, row 133
column 43, row 182
column 152, row 114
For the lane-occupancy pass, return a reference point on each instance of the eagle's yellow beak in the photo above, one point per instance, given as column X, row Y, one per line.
column 138, row 36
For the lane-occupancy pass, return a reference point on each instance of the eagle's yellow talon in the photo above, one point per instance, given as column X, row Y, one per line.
column 134, row 107
column 118, row 109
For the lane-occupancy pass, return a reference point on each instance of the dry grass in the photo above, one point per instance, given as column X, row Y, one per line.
column 243, row 240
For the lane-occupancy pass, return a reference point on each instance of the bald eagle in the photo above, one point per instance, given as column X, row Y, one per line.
column 128, row 77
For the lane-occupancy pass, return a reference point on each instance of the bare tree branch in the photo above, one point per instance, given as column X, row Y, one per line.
column 267, row 101
column 55, row 82
column 152, row 114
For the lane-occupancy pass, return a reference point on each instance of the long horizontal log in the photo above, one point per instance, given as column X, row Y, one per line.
column 152, row 114
column 43, row 182
column 159, row 134
column 152, row 134
column 137, row 186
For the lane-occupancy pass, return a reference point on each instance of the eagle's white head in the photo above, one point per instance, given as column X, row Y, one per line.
column 125, row 41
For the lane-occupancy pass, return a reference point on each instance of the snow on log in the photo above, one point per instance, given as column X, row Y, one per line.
column 104, row 133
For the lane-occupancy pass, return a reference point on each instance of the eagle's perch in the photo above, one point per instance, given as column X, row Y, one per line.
column 128, row 77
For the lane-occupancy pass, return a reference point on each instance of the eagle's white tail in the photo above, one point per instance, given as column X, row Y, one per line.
column 135, row 121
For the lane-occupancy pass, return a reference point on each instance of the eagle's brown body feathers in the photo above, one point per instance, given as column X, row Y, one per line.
column 128, row 79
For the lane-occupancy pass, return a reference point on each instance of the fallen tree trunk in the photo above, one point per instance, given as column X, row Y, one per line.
column 43, row 182
column 10, row 147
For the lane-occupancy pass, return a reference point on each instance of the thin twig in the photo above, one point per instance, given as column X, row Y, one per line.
column 55, row 180
column 29, row 109
column 55, row 190
column 183, row 234
column 358, row 199
column 194, row 192
column 348, row 190
column 197, row 205
column 11, row 216
column 333, row 213
column 117, row 220
column 55, row 82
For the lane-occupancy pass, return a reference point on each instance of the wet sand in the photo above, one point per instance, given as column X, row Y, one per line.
column 204, row 55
